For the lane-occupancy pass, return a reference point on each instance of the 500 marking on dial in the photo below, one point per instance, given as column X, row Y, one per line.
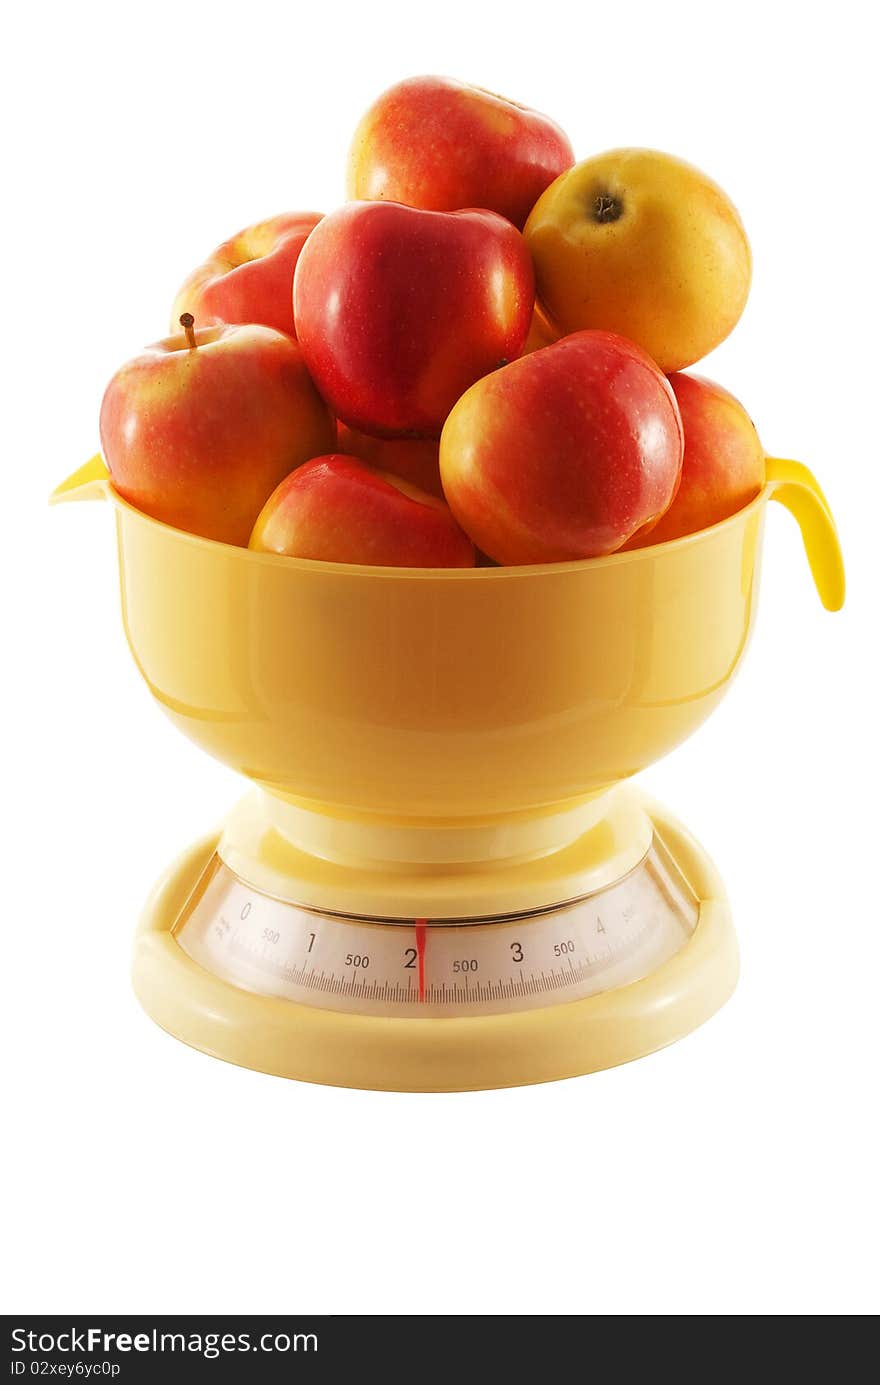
column 419, row 968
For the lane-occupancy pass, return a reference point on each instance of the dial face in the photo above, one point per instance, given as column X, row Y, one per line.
column 416, row 968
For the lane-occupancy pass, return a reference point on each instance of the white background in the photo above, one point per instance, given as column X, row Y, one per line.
column 734, row 1173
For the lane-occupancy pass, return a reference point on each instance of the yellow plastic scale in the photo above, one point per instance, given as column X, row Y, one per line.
column 442, row 881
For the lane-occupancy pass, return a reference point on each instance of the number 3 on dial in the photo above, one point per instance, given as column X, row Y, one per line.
column 516, row 951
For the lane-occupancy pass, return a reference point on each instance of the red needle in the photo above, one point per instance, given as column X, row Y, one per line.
column 421, row 940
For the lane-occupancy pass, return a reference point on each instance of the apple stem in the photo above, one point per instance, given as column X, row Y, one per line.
column 187, row 322
column 606, row 208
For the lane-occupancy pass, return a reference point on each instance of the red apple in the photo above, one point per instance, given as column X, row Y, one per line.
column 565, row 453
column 339, row 510
column 435, row 143
column 249, row 278
column 417, row 460
column 398, row 311
column 199, row 429
column 724, row 462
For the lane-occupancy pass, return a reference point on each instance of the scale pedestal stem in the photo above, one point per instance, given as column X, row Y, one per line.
column 452, row 868
column 363, row 841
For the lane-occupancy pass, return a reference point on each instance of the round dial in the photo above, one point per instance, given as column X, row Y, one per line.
column 419, row 968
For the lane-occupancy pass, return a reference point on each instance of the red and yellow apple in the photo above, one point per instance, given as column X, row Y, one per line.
column 338, row 510
column 417, row 460
column 442, row 145
column 398, row 310
column 565, row 453
column 641, row 243
column 724, row 464
column 249, row 278
column 199, row 429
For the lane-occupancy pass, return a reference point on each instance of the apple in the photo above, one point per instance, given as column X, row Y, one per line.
column 541, row 333
column 417, row 460
column 565, row 453
column 399, row 310
column 435, row 143
column 199, row 429
column 724, row 463
column 643, row 244
column 249, row 278
column 338, row 510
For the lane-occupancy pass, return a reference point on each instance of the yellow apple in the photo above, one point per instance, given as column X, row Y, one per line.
column 643, row 244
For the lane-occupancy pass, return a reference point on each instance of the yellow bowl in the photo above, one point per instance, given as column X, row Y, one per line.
column 424, row 693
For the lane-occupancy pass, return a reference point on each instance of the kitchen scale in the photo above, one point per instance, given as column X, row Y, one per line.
column 442, row 880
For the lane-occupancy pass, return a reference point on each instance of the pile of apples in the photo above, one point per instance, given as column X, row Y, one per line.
column 475, row 360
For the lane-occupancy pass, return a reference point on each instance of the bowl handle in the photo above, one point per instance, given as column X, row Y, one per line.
column 90, row 482
column 795, row 487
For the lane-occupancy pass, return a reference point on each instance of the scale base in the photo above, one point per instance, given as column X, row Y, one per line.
column 462, row 1053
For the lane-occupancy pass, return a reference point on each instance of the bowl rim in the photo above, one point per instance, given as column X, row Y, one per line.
column 446, row 574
